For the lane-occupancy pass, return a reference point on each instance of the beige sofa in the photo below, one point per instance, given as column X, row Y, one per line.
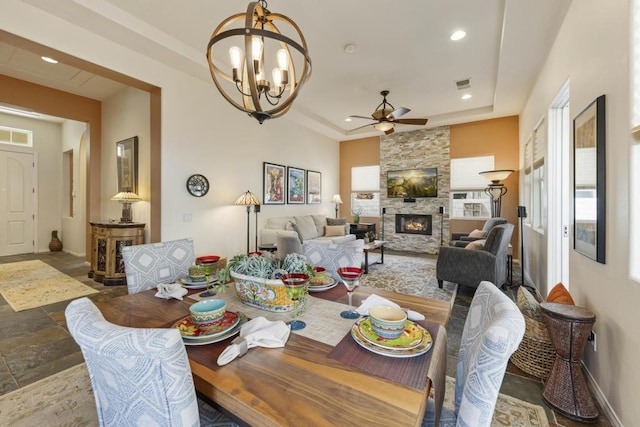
column 306, row 227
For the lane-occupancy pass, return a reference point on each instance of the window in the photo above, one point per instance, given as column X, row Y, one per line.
column 468, row 199
column 365, row 190
column 535, row 196
column 13, row 136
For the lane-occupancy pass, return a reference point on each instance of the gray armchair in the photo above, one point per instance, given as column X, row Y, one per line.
column 469, row 267
column 461, row 240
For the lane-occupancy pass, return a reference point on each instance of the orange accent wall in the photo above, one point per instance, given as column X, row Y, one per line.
column 497, row 137
column 356, row 152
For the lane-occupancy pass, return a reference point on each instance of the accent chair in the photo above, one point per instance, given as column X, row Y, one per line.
column 461, row 240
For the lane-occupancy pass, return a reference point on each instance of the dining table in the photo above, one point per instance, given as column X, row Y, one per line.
column 307, row 382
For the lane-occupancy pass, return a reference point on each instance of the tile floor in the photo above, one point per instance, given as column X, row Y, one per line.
column 35, row 343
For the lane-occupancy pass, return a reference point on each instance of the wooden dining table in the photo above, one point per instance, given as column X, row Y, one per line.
column 299, row 384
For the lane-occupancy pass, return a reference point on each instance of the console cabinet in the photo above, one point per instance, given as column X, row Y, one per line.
column 107, row 241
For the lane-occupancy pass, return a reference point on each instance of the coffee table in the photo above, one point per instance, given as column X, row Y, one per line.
column 376, row 244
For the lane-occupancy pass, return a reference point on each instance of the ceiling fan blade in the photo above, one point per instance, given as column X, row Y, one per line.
column 398, row 112
column 387, row 132
column 371, row 124
column 361, row 117
column 418, row 122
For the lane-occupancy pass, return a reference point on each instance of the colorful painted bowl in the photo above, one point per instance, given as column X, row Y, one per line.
column 320, row 271
column 387, row 322
column 206, row 313
column 197, row 273
column 207, row 263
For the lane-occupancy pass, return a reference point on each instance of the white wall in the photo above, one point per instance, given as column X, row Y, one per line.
column 125, row 115
column 592, row 50
column 75, row 137
column 201, row 133
column 47, row 146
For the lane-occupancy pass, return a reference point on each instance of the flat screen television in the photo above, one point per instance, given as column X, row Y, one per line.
column 412, row 183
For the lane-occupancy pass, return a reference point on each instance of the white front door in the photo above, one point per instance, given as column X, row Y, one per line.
column 16, row 203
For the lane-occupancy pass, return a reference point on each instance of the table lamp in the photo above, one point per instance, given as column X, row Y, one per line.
column 338, row 201
column 126, row 198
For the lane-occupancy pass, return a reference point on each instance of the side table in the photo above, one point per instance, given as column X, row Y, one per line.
column 566, row 388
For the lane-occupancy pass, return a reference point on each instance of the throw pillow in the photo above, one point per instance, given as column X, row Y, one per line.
column 560, row 294
column 333, row 230
column 475, row 245
column 478, row 233
column 306, row 227
column 336, row 221
column 319, row 221
column 528, row 304
column 295, row 228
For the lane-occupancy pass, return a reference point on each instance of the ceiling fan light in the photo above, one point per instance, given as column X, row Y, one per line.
column 383, row 126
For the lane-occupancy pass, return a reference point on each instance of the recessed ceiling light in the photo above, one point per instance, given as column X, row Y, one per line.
column 349, row 48
column 49, row 60
column 348, row 119
column 466, row 96
column 458, row 35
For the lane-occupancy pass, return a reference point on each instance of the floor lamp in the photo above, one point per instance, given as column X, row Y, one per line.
column 496, row 190
column 522, row 214
column 338, row 201
column 248, row 199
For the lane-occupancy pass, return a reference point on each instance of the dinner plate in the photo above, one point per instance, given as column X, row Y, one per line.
column 411, row 337
column 190, row 284
column 328, row 283
column 217, row 338
column 424, row 346
column 190, row 330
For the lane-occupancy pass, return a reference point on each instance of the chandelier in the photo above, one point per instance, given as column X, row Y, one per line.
column 246, row 85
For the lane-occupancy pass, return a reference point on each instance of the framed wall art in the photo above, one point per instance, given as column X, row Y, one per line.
column 127, row 164
column 295, row 185
column 273, row 184
column 589, row 181
column 314, row 187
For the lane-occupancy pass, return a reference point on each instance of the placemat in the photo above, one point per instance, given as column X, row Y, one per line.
column 411, row 372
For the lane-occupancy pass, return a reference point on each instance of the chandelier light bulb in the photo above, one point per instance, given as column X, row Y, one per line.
column 235, row 55
column 256, row 48
column 283, row 59
column 277, row 78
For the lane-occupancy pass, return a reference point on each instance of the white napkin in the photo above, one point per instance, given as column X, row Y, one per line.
column 258, row 332
column 174, row 290
column 374, row 300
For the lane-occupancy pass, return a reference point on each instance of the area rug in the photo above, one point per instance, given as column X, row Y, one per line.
column 408, row 275
column 30, row 284
column 66, row 399
column 509, row 412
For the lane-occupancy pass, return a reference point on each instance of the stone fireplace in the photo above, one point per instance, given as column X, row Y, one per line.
column 414, row 224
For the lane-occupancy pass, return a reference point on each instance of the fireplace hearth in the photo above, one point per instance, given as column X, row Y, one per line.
column 414, row 224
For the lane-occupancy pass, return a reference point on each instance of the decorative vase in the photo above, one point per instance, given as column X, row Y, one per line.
column 55, row 245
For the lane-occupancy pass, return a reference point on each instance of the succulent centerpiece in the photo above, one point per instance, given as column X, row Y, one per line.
column 257, row 278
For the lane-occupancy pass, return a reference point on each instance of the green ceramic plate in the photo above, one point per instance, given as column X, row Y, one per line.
column 411, row 337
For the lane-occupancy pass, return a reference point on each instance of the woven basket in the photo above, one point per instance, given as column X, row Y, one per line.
column 536, row 353
column 266, row 294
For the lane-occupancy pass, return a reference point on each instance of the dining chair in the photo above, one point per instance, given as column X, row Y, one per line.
column 492, row 332
column 333, row 256
column 139, row 376
column 149, row 265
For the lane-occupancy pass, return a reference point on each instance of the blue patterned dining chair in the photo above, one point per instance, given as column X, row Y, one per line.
column 147, row 266
column 492, row 332
column 139, row 376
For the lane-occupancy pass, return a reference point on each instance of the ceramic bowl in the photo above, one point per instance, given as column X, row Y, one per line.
column 206, row 313
column 320, row 271
column 207, row 263
column 197, row 273
column 387, row 322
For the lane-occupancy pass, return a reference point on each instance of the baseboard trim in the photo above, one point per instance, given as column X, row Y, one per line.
column 601, row 398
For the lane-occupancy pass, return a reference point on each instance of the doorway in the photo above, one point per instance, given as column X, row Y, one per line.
column 17, row 195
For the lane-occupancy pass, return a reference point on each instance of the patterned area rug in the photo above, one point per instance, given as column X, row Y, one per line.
column 66, row 399
column 30, row 284
column 408, row 275
column 509, row 412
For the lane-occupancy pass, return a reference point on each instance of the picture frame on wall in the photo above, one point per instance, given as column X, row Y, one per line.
column 273, row 184
column 295, row 185
column 127, row 165
column 589, row 181
column 314, row 187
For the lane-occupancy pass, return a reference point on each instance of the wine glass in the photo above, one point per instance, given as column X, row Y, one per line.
column 296, row 287
column 350, row 278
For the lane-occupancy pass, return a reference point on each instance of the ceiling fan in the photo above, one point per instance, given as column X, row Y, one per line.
column 386, row 116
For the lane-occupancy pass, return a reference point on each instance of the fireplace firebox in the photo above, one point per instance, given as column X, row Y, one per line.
column 414, row 224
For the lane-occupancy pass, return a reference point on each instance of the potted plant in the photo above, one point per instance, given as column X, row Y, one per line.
column 370, row 236
column 257, row 279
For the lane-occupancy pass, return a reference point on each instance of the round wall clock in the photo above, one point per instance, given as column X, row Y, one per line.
column 197, row 185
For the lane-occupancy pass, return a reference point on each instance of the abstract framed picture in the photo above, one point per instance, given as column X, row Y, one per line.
column 589, row 181
column 314, row 187
column 273, row 184
column 127, row 165
column 295, row 185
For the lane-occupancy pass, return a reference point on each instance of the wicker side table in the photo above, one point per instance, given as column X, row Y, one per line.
column 566, row 388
